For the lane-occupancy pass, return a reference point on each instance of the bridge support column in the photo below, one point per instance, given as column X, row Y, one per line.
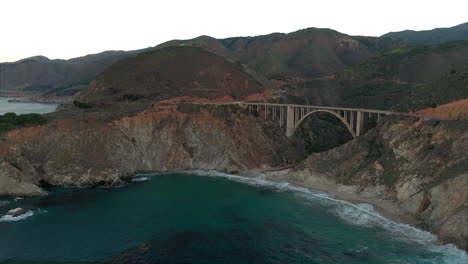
column 290, row 121
column 359, row 123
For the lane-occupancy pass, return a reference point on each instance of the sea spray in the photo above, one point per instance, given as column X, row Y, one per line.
column 10, row 218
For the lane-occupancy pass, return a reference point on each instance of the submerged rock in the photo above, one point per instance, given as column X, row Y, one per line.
column 17, row 212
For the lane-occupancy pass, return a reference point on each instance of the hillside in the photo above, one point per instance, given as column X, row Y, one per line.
column 434, row 36
column 171, row 72
column 457, row 110
column 403, row 79
column 38, row 75
column 304, row 53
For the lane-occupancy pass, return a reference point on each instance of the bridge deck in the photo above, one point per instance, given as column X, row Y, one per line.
column 383, row 112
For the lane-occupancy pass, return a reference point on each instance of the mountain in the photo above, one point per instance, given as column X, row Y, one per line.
column 38, row 75
column 172, row 72
column 403, row 79
column 429, row 74
column 434, row 36
column 305, row 53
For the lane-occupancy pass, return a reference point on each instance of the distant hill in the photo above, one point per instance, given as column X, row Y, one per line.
column 313, row 66
column 38, row 75
column 306, row 53
column 434, row 36
column 171, row 72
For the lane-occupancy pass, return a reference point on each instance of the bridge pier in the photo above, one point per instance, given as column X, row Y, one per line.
column 290, row 124
column 359, row 123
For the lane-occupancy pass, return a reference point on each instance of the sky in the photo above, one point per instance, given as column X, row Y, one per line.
column 63, row 29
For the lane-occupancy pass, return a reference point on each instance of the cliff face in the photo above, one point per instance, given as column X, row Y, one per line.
column 420, row 165
column 87, row 152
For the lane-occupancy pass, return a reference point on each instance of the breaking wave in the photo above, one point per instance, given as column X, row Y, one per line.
column 362, row 215
column 140, row 179
column 10, row 218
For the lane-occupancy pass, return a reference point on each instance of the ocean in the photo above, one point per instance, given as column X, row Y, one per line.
column 207, row 217
column 24, row 108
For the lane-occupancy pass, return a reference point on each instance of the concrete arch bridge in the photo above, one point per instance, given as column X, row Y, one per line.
column 292, row 116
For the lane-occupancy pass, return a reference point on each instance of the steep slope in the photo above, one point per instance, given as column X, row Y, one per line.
column 84, row 151
column 403, row 79
column 420, row 165
column 305, row 53
column 172, row 72
column 434, row 36
column 450, row 87
column 457, row 110
column 38, row 75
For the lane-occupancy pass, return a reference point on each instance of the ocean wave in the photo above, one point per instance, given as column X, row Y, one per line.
column 140, row 179
column 362, row 215
column 10, row 218
column 3, row 203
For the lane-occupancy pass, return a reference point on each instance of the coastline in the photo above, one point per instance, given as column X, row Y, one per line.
column 385, row 208
column 36, row 99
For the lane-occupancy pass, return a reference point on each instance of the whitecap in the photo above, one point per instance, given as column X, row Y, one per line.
column 10, row 218
column 18, row 198
column 3, row 203
column 140, row 179
column 261, row 176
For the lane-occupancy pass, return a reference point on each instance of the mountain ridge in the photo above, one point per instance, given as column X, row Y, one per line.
column 432, row 36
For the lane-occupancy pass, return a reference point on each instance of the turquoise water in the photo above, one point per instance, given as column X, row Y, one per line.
column 192, row 218
column 24, row 108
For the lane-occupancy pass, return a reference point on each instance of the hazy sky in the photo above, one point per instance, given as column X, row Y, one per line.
column 72, row 28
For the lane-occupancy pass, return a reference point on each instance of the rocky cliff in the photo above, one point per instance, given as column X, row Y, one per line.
column 420, row 165
column 88, row 152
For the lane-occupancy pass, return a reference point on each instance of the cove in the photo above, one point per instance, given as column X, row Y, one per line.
column 207, row 217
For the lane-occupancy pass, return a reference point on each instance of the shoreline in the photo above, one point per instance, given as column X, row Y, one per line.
column 32, row 99
column 385, row 208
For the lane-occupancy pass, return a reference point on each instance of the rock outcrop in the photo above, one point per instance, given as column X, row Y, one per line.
column 420, row 165
column 88, row 152
column 17, row 212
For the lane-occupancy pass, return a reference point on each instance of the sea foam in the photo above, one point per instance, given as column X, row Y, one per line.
column 140, row 179
column 362, row 215
column 10, row 218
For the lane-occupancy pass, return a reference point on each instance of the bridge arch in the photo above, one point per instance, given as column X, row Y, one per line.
column 343, row 120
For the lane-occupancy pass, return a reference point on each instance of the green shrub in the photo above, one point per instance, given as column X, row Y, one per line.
column 132, row 97
column 11, row 121
column 81, row 104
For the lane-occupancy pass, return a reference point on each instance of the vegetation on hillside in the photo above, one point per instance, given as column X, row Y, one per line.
column 448, row 88
column 434, row 36
column 171, row 72
column 11, row 121
column 310, row 52
column 409, row 78
column 393, row 63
